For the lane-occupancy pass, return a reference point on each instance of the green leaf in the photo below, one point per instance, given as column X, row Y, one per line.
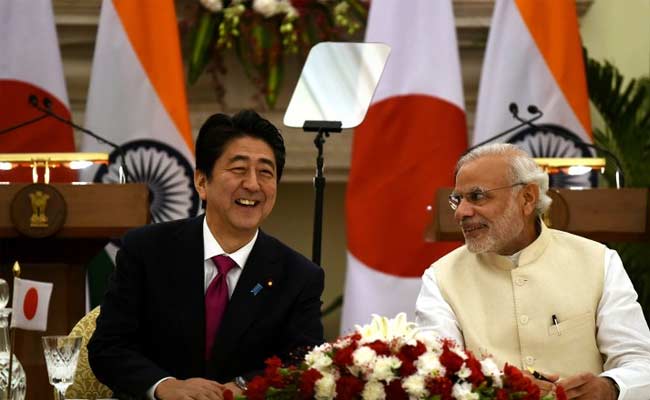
column 202, row 38
column 625, row 109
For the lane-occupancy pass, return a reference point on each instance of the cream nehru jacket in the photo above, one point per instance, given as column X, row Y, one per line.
column 507, row 311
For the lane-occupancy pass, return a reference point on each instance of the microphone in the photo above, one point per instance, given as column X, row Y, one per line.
column 46, row 109
column 514, row 110
column 533, row 109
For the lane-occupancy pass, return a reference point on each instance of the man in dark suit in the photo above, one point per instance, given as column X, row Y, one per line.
column 157, row 335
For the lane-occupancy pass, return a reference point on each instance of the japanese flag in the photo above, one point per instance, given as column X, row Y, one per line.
column 30, row 305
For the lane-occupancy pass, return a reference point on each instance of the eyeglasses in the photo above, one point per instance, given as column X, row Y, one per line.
column 476, row 196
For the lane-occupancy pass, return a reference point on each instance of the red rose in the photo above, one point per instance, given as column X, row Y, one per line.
column 272, row 373
column 227, row 395
column 502, row 394
column 380, row 347
column 440, row 386
column 307, row 383
column 395, row 391
column 257, row 388
column 407, row 368
column 273, row 362
column 474, row 365
column 413, row 352
column 348, row 387
column 450, row 360
column 560, row 394
column 343, row 357
column 516, row 382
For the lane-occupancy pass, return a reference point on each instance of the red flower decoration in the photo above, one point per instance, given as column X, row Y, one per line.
column 413, row 352
column 348, row 387
column 395, row 391
column 257, row 388
column 440, row 386
column 272, row 373
column 307, row 383
column 474, row 365
column 343, row 357
column 381, row 348
column 407, row 368
column 450, row 360
column 515, row 381
column 227, row 395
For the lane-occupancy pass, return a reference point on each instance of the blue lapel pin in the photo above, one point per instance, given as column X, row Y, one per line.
column 258, row 288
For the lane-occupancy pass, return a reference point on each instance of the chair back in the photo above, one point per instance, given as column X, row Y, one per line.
column 86, row 385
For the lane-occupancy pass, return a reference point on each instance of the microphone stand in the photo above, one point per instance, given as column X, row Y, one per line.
column 47, row 111
column 324, row 128
column 620, row 178
column 507, row 131
column 20, row 125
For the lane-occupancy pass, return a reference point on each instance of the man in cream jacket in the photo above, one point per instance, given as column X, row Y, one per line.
column 531, row 296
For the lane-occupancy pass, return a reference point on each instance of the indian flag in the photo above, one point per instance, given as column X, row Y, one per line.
column 137, row 100
column 402, row 153
column 30, row 65
column 534, row 57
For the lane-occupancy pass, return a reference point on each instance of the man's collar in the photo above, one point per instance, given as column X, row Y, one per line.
column 212, row 248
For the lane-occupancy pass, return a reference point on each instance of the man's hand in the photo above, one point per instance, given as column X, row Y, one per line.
column 189, row 389
column 587, row 386
column 545, row 386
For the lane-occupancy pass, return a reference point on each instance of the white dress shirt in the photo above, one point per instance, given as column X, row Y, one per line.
column 212, row 248
column 622, row 333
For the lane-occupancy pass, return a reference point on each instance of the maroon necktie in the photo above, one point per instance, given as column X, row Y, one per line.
column 216, row 300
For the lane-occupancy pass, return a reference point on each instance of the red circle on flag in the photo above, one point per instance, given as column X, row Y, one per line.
column 30, row 305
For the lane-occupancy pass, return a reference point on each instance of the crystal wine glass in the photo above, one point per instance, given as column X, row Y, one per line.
column 61, row 356
column 4, row 293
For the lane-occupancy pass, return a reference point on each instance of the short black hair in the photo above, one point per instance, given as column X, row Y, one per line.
column 219, row 129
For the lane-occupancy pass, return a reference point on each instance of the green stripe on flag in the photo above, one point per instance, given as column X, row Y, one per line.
column 99, row 270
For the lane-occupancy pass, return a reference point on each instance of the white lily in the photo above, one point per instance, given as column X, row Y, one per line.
column 382, row 328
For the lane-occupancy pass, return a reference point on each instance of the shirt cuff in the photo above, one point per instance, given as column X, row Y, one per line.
column 152, row 390
column 621, row 388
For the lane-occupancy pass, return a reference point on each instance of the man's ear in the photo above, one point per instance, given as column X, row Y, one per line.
column 200, row 182
column 530, row 194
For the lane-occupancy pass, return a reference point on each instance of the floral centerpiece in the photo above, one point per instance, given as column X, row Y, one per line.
column 261, row 32
column 391, row 359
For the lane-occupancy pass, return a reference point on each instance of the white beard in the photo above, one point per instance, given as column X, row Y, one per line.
column 501, row 231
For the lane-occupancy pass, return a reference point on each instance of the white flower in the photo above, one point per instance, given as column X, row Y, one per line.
column 373, row 390
column 382, row 328
column 489, row 368
column 269, row 8
column 364, row 356
column 429, row 364
column 342, row 343
column 463, row 391
column 414, row 386
column 464, row 372
column 318, row 359
column 212, row 5
column 459, row 351
column 429, row 338
column 325, row 387
column 384, row 367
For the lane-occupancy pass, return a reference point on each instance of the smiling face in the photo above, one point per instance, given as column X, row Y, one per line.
column 502, row 222
column 241, row 191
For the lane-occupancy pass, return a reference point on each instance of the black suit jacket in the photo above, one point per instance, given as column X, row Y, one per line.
column 152, row 322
